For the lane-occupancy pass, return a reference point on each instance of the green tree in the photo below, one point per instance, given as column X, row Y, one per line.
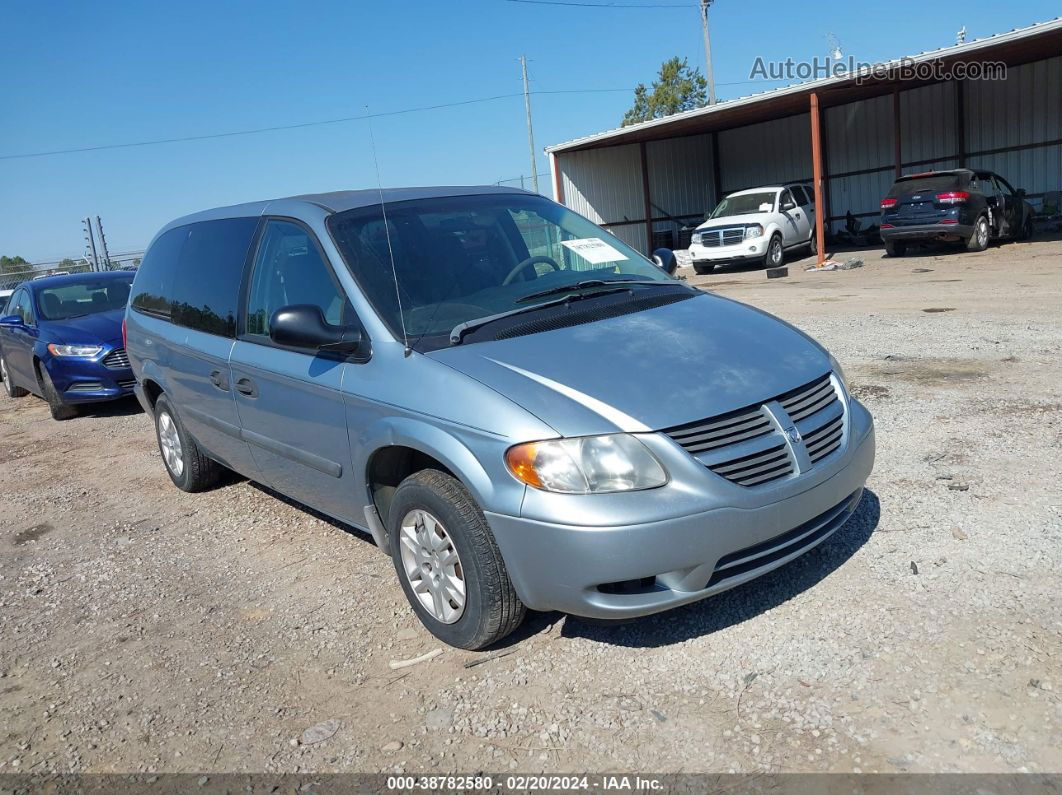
column 13, row 264
column 678, row 87
column 66, row 263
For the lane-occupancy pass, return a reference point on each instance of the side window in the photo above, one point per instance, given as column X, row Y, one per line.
column 803, row 196
column 288, row 270
column 20, row 305
column 154, row 277
column 206, row 287
column 1003, row 186
column 785, row 197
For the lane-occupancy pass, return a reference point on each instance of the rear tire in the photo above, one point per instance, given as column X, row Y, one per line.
column 188, row 466
column 1026, row 232
column 978, row 241
column 812, row 247
column 895, row 248
column 9, row 385
column 60, row 411
column 450, row 551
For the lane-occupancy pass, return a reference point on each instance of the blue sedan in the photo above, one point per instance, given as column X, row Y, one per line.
column 61, row 339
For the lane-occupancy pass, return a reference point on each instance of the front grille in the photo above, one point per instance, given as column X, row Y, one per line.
column 746, row 447
column 798, row 539
column 127, row 384
column 713, row 238
column 116, row 360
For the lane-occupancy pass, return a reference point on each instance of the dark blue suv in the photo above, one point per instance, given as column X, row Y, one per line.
column 61, row 339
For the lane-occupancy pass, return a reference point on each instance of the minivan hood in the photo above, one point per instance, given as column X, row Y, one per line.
column 100, row 328
column 651, row 370
column 733, row 220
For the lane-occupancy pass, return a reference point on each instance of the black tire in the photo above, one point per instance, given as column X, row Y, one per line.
column 978, row 240
column 812, row 250
column 9, row 385
column 775, row 254
column 1026, row 232
column 895, row 248
column 60, row 410
column 703, row 270
column 197, row 471
column 491, row 609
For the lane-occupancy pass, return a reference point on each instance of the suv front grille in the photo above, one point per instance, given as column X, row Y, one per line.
column 713, row 238
column 116, row 360
column 748, row 446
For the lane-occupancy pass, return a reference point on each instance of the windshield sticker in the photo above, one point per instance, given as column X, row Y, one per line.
column 593, row 250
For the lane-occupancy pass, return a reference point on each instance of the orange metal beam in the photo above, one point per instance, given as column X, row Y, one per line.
column 816, row 162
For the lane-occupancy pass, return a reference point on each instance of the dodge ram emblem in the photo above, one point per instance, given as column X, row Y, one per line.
column 792, row 434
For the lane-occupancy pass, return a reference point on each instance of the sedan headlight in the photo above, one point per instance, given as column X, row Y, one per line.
column 753, row 230
column 839, row 372
column 82, row 351
column 586, row 465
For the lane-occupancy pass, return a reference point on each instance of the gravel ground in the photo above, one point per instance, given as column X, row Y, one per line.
column 143, row 629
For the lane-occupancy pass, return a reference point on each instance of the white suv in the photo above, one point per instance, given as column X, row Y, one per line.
column 759, row 224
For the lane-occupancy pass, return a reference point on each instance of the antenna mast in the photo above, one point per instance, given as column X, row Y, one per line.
column 530, row 131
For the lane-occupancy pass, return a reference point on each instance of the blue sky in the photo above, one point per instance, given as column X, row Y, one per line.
column 86, row 74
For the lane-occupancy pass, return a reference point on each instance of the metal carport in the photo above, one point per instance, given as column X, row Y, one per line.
column 661, row 174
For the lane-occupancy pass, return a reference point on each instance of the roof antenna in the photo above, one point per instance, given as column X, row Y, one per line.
column 387, row 234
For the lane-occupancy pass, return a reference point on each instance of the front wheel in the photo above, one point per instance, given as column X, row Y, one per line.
column 449, row 564
column 59, row 410
column 978, row 241
column 775, row 255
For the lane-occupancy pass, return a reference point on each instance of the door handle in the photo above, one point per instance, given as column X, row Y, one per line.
column 220, row 380
column 245, row 386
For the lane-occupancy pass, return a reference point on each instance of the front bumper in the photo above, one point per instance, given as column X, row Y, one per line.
column 927, row 232
column 753, row 249
column 626, row 571
column 89, row 381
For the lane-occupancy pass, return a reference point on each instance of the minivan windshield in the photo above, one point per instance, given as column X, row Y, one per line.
column 459, row 259
column 83, row 298
column 744, row 204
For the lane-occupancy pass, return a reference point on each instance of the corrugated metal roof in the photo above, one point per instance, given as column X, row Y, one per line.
column 995, row 40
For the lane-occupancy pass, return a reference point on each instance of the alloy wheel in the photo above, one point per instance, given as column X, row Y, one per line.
column 432, row 566
column 982, row 233
column 5, row 376
column 170, row 442
column 776, row 252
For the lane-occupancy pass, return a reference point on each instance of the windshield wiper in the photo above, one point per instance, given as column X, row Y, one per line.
column 567, row 288
column 458, row 332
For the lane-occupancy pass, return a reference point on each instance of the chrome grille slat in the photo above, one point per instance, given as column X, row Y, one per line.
column 117, row 359
column 746, row 447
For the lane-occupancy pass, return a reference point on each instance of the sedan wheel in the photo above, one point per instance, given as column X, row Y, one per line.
column 9, row 385
column 432, row 566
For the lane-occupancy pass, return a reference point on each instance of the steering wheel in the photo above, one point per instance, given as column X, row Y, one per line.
column 526, row 264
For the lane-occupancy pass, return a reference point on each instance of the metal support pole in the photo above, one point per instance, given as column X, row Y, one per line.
column 648, row 201
column 816, row 162
column 530, row 130
column 897, row 141
column 707, row 51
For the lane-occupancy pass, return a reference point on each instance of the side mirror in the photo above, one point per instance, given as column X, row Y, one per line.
column 664, row 258
column 13, row 321
column 304, row 326
column 787, row 206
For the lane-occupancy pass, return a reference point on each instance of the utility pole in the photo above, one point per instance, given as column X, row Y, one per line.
column 103, row 243
column 90, row 243
column 530, row 131
column 707, row 51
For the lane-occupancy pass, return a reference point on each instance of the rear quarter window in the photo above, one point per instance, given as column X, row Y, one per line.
column 206, row 283
column 154, row 278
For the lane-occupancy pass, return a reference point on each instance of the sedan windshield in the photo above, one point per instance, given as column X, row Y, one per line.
column 459, row 260
column 744, row 204
column 83, row 298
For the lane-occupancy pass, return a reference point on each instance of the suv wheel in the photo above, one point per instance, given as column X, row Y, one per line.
column 449, row 564
column 895, row 248
column 1026, row 232
column 59, row 410
column 978, row 241
column 187, row 465
column 775, row 256
column 9, row 385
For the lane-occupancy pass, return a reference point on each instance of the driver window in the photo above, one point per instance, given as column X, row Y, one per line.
column 288, row 269
column 21, row 306
column 784, row 198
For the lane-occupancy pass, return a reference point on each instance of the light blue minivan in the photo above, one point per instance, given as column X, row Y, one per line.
column 522, row 410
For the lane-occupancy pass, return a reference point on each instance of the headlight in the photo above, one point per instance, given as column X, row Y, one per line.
column 86, row 351
column 839, row 372
column 753, row 230
column 696, row 238
column 586, row 465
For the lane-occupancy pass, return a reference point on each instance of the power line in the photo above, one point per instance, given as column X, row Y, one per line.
column 300, row 125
